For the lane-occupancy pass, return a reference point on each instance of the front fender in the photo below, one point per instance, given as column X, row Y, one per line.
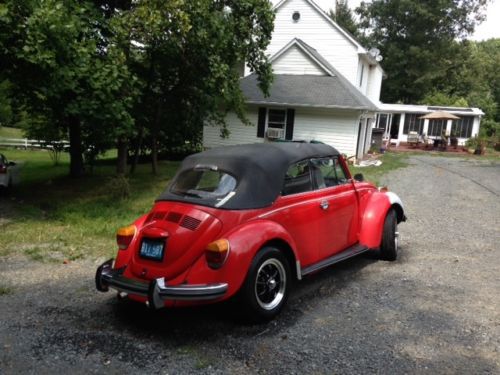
column 376, row 206
column 245, row 241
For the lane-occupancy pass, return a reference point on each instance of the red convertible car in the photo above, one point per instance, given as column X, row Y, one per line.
column 245, row 221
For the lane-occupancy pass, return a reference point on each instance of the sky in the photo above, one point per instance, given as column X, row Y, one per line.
column 490, row 28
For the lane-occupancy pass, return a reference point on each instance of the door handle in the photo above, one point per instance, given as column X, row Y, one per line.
column 324, row 205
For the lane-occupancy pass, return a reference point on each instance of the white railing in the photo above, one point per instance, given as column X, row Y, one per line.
column 31, row 143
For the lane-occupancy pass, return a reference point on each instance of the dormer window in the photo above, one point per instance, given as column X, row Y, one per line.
column 296, row 16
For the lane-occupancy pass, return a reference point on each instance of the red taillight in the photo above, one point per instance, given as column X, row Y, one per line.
column 216, row 253
column 124, row 236
column 3, row 169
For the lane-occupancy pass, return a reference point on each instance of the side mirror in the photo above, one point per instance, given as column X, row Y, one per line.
column 12, row 164
column 359, row 177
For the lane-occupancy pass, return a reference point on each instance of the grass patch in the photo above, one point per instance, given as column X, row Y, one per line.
column 51, row 217
column 390, row 162
column 4, row 290
column 6, row 132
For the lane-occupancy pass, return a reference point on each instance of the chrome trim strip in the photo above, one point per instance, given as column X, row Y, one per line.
column 299, row 270
column 346, row 254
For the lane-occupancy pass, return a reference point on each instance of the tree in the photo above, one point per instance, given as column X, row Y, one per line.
column 418, row 41
column 185, row 53
column 105, row 72
column 344, row 17
column 68, row 80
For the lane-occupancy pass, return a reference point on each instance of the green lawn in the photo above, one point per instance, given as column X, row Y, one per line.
column 390, row 161
column 50, row 216
column 6, row 132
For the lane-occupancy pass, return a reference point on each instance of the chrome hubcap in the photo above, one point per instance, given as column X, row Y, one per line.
column 396, row 239
column 270, row 284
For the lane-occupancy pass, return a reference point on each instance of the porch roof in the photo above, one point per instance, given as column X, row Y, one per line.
column 410, row 108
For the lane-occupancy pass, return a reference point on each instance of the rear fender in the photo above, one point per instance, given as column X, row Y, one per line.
column 123, row 256
column 376, row 206
column 245, row 241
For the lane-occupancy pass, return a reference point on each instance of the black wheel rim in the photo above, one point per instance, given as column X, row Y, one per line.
column 270, row 284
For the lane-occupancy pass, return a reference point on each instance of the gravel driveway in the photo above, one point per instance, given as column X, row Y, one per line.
column 435, row 310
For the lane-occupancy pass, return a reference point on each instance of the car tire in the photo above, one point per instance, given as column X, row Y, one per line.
column 266, row 288
column 390, row 237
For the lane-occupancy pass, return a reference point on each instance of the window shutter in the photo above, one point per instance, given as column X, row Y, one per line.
column 261, row 123
column 290, row 119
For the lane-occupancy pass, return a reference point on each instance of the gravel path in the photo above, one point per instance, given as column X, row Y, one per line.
column 435, row 310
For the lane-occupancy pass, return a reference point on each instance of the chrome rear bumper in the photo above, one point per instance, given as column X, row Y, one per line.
column 156, row 291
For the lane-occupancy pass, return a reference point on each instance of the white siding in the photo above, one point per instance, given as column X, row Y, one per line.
column 363, row 76
column 336, row 128
column 294, row 61
column 375, row 83
column 316, row 31
column 239, row 133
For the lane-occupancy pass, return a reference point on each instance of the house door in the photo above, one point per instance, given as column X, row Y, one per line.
column 395, row 125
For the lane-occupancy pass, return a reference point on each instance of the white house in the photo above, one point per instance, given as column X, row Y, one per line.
column 326, row 85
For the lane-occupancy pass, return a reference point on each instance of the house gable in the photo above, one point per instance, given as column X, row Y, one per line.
column 316, row 29
column 295, row 61
column 299, row 58
column 322, row 13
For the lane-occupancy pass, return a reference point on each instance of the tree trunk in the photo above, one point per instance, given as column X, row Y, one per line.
column 137, row 150
column 76, row 167
column 121, row 165
column 154, row 152
column 154, row 139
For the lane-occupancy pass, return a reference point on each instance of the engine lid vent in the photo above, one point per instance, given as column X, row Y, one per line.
column 190, row 223
column 158, row 215
column 174, row 217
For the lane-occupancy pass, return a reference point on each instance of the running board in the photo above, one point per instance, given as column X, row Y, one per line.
column 346, row 254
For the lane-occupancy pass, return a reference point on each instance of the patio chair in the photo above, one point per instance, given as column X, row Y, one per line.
column 413, row 139
column 427, row 141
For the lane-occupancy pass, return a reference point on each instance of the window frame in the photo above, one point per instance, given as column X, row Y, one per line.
column 338, row 181
column 285, row 118
column 312, row 177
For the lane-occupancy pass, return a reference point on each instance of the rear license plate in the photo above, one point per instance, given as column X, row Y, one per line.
column 152, row 249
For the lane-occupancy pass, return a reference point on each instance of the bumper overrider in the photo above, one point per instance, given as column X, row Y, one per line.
column 157, row 290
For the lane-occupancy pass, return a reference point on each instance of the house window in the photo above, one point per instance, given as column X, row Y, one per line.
column 361, row 75
column 276, row 118
column 413, row 123
column 462, row 128
column 437, row 127
column 276, row 123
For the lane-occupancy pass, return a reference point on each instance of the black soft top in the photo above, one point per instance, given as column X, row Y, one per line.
column 259, row 169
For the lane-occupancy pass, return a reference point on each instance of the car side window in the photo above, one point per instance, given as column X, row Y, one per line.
column 297, row 179
column 328, row 172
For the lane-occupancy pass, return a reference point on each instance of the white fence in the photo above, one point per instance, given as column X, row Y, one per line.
column 31, row 143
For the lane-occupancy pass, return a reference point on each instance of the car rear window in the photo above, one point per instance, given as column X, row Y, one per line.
column 205, row 184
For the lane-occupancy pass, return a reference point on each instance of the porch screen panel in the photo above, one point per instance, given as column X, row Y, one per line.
column 382, row 121
column 413, row 123
column 462, row 128
column 436, row 127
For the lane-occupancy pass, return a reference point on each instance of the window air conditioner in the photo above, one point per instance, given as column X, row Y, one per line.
column 275, row 133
